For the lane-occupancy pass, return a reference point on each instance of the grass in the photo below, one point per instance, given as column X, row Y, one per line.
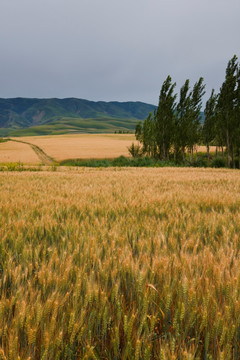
column 120, row 264
column 199, row 161
column 120, row 161
column 19, row 167
column 68, row 125
column 4, row 132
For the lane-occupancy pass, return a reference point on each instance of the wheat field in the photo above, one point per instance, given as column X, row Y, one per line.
column 120, row 264
column 84, row 146
column 11, row 152
column 62, row 147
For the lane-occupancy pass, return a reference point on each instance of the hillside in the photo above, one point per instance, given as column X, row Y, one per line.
column 22, row 116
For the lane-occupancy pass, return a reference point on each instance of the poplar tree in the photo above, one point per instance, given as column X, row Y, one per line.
column 209, row 126
column 149, row 136
column 226, row 107
column 139, row 131
column 237, row 117
column 179, row 126
column 146, row 134
column 194, row 118
column 165, row 118
column 181, row 121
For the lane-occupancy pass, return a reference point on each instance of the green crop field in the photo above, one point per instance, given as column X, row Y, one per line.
column 74, row 125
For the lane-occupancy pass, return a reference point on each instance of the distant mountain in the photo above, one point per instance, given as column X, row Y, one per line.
column 23, row 116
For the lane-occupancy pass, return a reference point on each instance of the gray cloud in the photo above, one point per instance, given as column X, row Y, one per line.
column 113, row 50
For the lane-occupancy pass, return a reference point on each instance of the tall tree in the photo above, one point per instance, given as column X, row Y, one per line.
column 146, row 134
column 181, row 120
column 226, row 107
column 139, row 131
column 209, row 127
column 149, row 136
column 194, row 118
column 165, row 118
column 237, row 117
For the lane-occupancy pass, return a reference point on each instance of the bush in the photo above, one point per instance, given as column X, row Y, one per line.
column 121, row 161
column 236, row 163
column 135, row 150
column 199, row 162
column 218, row 162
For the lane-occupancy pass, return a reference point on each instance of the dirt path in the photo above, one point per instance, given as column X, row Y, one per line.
column 43, row 157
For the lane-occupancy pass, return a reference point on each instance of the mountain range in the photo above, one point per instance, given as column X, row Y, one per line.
column 26, row 116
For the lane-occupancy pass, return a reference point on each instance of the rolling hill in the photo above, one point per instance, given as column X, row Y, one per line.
column 24, row 116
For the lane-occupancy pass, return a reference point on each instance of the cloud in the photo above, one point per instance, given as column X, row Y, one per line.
column 112, row 50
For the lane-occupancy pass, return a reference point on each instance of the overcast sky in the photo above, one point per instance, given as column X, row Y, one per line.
column 114, row 49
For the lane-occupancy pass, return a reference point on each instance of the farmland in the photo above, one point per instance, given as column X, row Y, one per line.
column 11, row 152
column 63, row 147
column 120, row 264
column 83, row 146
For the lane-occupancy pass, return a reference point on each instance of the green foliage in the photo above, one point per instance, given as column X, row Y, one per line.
column 209, row 127
column 135, row 150
column 123, row 132
column 18, row 166
column 117, row 162
column 139, row 131
column 3, row 140
column 199, row 161
column 227, row 106
column 172, row 128
column 181, row 120
column 178, row 128
column 194, row 122
column 219, row 162
column 164, row 119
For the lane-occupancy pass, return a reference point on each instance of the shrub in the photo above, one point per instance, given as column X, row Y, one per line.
column 199, row 162
column 218, row 162
column 135, row 150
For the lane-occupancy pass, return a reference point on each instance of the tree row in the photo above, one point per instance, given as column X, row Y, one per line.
column 176, row 127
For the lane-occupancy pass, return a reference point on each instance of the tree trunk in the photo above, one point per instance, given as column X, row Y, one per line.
column 239, row 158
column 233, row 162
column 222, row 152
column 216, row 151
column 208, row 155
column 183, row 154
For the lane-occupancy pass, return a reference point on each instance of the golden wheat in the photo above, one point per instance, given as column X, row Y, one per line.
column 17, row 152
column 120, row 264
column 84, row 146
